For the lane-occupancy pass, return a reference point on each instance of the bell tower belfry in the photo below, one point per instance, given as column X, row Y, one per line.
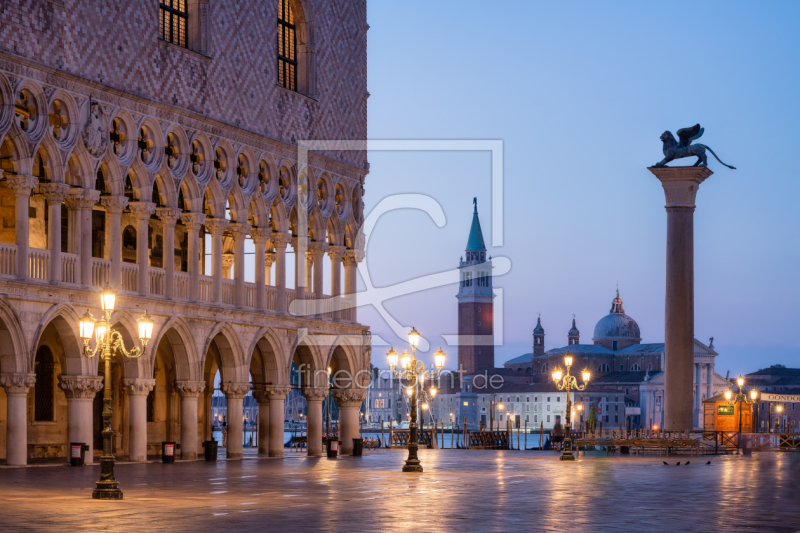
column 475, row 303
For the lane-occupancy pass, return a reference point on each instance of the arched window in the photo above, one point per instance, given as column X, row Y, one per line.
column 172, row 21
column 635, row 368
column 287, row 46
column 604, row 368
column 43, row 390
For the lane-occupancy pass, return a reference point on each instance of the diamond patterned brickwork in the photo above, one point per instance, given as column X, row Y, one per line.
column 117, row 44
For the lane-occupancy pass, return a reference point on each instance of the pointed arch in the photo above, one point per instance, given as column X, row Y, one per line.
column 214, row 197
column 179, row 336
column 168, row 193
column 306, row 355
column 278, row 217
column 230, row 352
column 257, row 213
column 192, row 194
column 65, row 320
column 336, row 229
column 267, row 364
column 237, row 205
column 52, row 157
column 15, row 149
column 13, row 345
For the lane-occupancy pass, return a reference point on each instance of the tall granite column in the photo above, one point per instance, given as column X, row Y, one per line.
column 80, row 392
column 314, row 397
column 137, row 390
column 235, row 393
column 680, row 188
column 262, row 397
column 277, row 397
column 17, row 387
column 189, row 392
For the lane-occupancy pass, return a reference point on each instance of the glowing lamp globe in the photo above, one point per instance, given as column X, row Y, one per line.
column 740, row 381
column 568, row 360
column 438, row 358
column 86, row 326
column 107, row 299
column 413, row 338
column 728, row 395
column 557, row 375
column 586, row 375
column 392, row 357
column 405, row 359
column 753, row 394
column 145, row 328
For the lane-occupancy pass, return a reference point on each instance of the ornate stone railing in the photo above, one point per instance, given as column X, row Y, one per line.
column 130, row 277
column 100, row 272
column 227, row 291
column 182, row 285
column 40, row 262
column 8, row 259
column 157, row 281
column 69, row 268
column 206, row 283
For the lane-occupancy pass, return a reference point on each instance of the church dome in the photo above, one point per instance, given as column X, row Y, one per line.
column 573, row 332
column 617, row 326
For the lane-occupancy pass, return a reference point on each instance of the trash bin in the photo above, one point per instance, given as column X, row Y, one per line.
column 333, row 448
column 210, row 447
column 358, row 447
column 168, row 452
column 77, row 453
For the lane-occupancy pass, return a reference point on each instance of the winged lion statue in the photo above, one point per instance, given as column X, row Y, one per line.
column 683, row 148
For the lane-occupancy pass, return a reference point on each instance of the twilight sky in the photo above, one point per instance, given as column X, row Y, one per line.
column 579, row 93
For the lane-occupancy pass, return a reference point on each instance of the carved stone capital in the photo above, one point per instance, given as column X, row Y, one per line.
column 235, row 390
column 239, row 231
column 17, row 384
column 336, row 252
column 54, row 192
column 80, row 386
column 142, row 210
column 114, row 204
column 22, row 185
column 261, row 396
column 269, row 259
column 349, row 397
column 314, row 394
column 193, row 220
column 168, row 215
column 78, row 201
column 190, row 389
column 138, row 386
column 681, row 183
column 227, row 260
column 280, row 240
column 353, row 257
column 317, row 249
column 276, row 392
column 298, row 242
column 216, row 226
column 260, row 235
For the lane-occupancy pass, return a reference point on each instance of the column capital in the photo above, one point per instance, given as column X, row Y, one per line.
column 276, row 392
column 269, row 259
column 17, row 384
column 227, row 260
column 336, row 252
column 314, row 394
column 190, row 389
column 349, row 397
column 298, row 241
column 78, row 200
column 260, row 235
column 261, row 396
column 114, row 204
column 681, row 183
column 353, row 257
column 317, row 249
column 193, row 220
column 54, row 192
column 239, row 230
column 22, row 184
column 168, row 215
column 234, row 390
column 217, row 225
column 138, row 386
column 280, row 240
column 80, row 386
column 142, row 210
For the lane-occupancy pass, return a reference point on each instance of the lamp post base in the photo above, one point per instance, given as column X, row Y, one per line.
column 107, row 493
column 567, row 457
column 412, row 468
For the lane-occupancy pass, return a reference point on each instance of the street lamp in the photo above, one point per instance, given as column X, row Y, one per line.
column 413, row 370
column 108, row 342
column 328, row 412
column 740, row 397
column 569, row 382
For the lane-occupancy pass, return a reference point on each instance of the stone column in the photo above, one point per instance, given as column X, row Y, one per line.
column 317, row 250
column 54, row 193
column 80, row 392
column 142, row 211
column 169, row 217
column 216, row 226
column 137, row 390
column 114, row 206
column 189, row 392
column 314, row 397
column 351, row 260
column 235, row 393
column 280, row 240
column 300, row 245
column 336, row 253
column 17, row 387
column 262, row 397
column 260, row 238
column 277, row 396
column 349, row 402
column 22, row 186
column 680, row 188
column 709, row 380
column 240, row 232
column 193, row 221
column 82, row 202
column 698, row 394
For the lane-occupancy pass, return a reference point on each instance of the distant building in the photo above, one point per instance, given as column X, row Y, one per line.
column 778, row 385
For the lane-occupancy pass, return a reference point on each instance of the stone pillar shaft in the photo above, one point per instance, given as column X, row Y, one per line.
column 314, row 398
column 114, row 206
column 277, row 396
column 349, row 402
column 193, row 221
column 280, row 240
column 260, row 238
column 169, row 217
column 240, row 232
column 137, row 390
column 142, row 211
column 54, row 193
column 80, row 392
column 235, row 393
column 22, row 186
column 189, row 392
column 336, row 253
column 17, row 387
column 263, row 420
column 300, row 246
column 216, row 226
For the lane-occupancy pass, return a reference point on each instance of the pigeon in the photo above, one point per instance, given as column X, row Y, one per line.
column 666, row 463
column 708, row 463
column 678, row 463
column 687, row 462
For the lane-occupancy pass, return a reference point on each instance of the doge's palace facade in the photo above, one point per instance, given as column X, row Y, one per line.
column 152, row 146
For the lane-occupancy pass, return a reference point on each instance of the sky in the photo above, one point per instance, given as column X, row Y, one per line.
column 579, row 93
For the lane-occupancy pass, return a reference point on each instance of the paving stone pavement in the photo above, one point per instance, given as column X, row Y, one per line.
column 459, row 491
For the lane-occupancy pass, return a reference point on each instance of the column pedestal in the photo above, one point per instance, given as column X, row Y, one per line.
column 680, row 189
column 189, row 392
column 80, row 392
column 314, row 397
column 17, row 387
column 277, row 396
column 137, row 390
column 235, row 393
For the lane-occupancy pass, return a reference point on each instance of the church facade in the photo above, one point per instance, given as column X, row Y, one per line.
column 154, row 147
